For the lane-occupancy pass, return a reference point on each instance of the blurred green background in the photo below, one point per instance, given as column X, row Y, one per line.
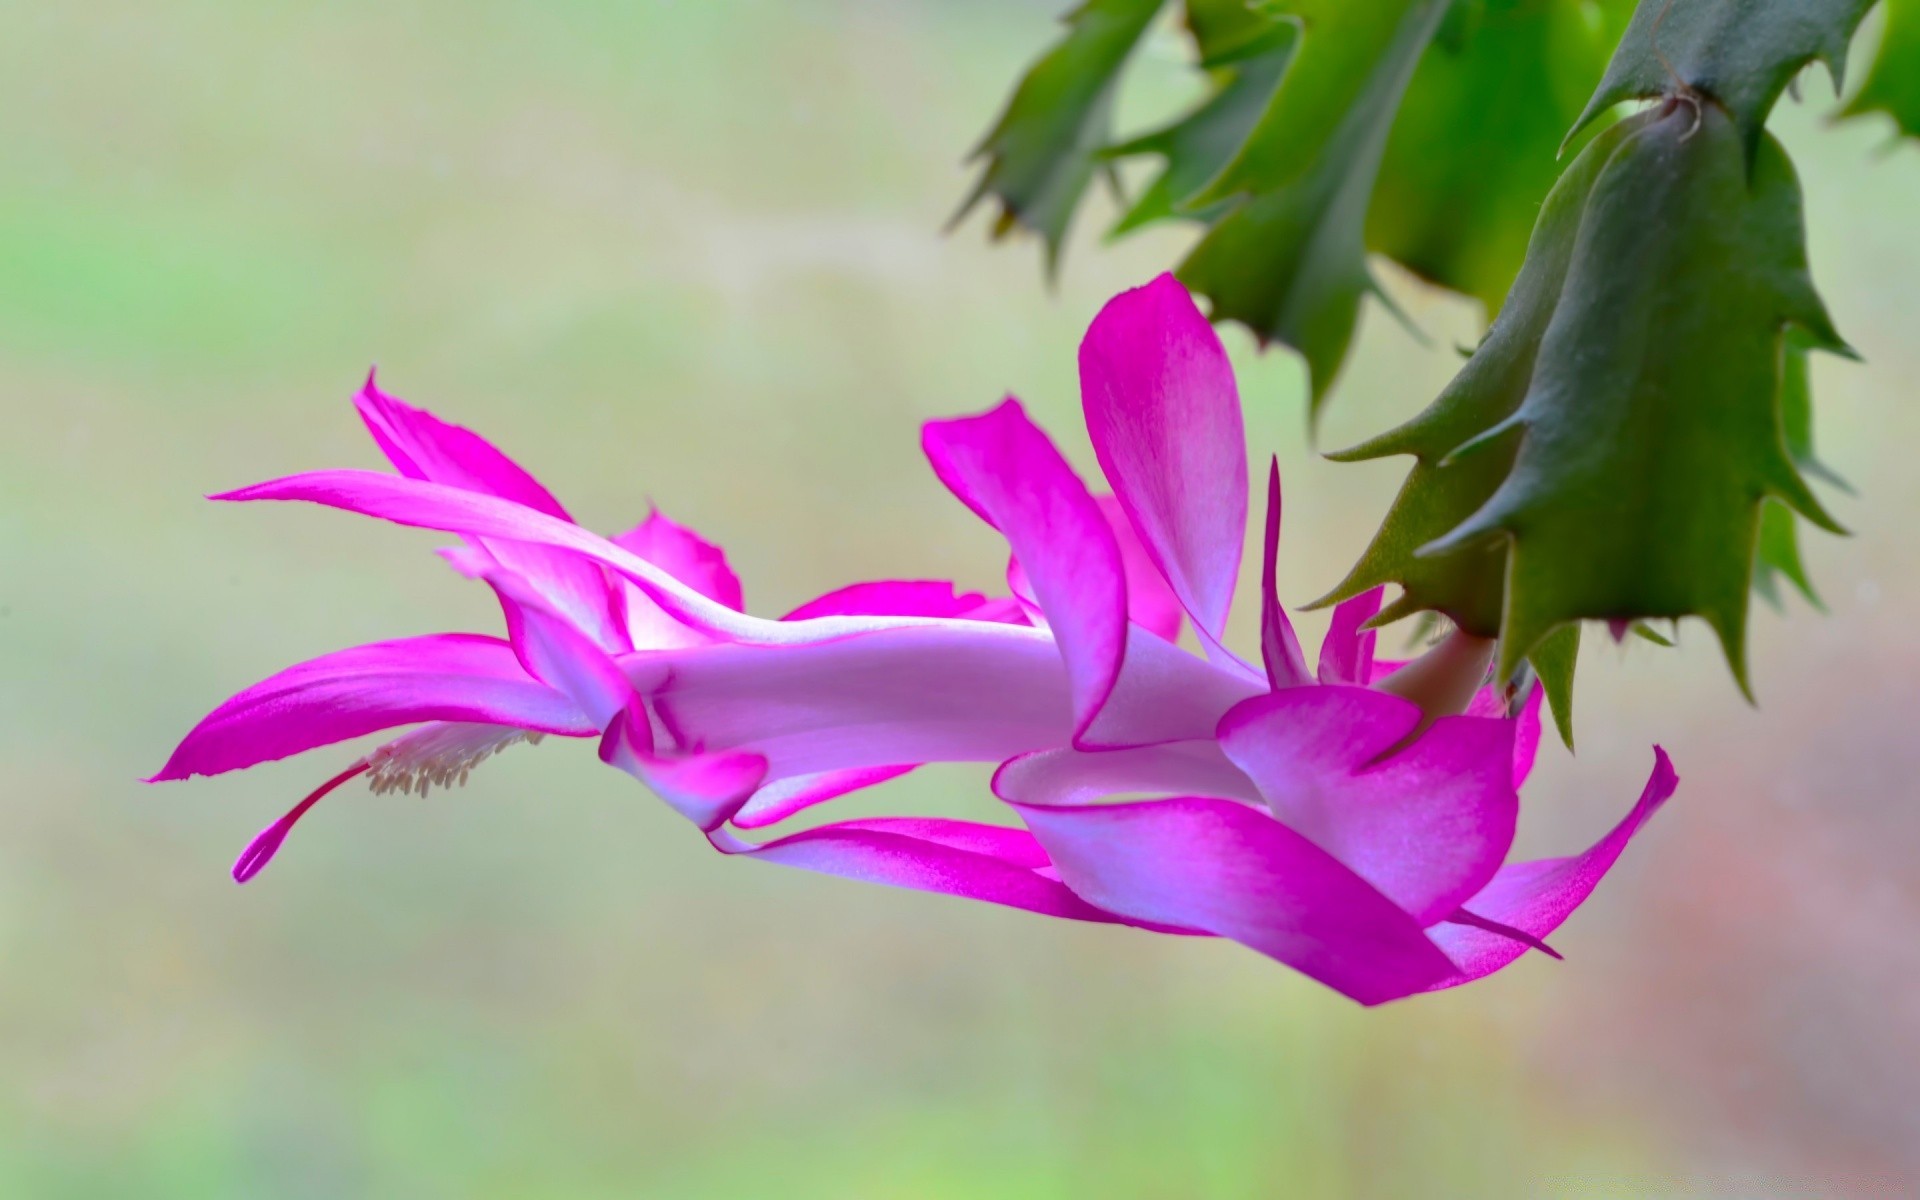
column 691, row 252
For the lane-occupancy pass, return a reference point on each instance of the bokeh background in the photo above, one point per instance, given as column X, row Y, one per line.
column 691, row 253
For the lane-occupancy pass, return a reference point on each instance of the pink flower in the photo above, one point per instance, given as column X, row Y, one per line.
column 471, row 695
column 1352, row 821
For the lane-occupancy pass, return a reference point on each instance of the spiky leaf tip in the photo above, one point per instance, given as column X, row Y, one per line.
column 1893, row 83
column 1043, row 151
column 1737, row 54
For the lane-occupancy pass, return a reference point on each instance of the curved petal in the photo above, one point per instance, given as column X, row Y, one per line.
column 1526, row 737
column 1279, row 644
column 559, row 653
column 1346, row 656
column 1164, row 415
column 1217, row 866
column 1001, row 466
column 891, row 597
column 1428, row 824
column 422, row 446
column 1151, row 603
column 1065, row 776
column 1535, row 897
column 707, row 789
column 784, row 797
column 1490, row 702
column 684, row 554
column 440, row 677
column 954, row 858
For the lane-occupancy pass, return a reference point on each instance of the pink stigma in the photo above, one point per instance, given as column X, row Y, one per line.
column 266, row 843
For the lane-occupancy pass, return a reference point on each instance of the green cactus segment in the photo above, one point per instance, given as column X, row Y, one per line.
column 1198, row 145
column 1652, row 429
column 1042, row 152
column 1288, row 260
column 1476, row 144
column 1441, row 492
column 1893, row 84
column 1739, row 53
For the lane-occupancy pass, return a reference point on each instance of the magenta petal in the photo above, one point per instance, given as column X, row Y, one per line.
column 1007, row 471
column 781, row 799
column 1217, row 866
column 685, row 555
column 1526, row 737
column 441, row 677
column 707, row 789
column 1535, row 897
column 1065, row 776
column 954, row 858
column 1346, row 656
column 1428, row 825
column 1164, row 415
column 891, row 598
column 1279, row 645
column 422, row 446
column 1151, row 603
column 559, row 654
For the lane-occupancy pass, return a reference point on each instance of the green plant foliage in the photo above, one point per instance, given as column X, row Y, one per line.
column 1476, row 144
column 1778, row 556
column 1289, row 259
column 1042, row 152
column 1893, row 85
column 1553, row 661
column 1442, row 491
column 1741, row 53
column 1652, row 427
column 1606, row 452
column 1246, row 70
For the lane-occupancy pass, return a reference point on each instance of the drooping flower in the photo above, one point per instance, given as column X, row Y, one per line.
column 1352, row 821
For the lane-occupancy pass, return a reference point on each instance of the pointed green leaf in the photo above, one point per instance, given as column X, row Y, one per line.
column 1289, row 261
column 1200, row 143
column 1893, row 85
column 1652, row 428
column 1739, row 53
column 1648, row 633
column 1553, row 660
column 1351, row 69
column 1778, row 555
column 1475, row 147
column 1041, row 154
